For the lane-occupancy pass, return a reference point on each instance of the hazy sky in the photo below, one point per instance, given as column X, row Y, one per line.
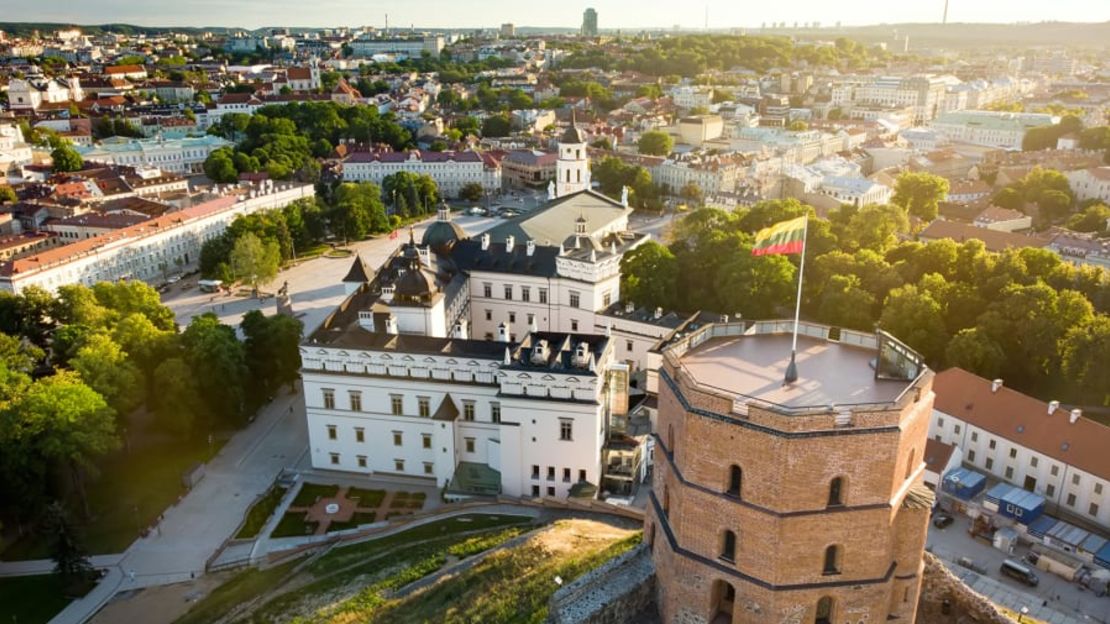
column 477, row 13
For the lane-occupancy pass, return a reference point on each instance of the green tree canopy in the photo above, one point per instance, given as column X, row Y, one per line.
column 655, row 143
column 920, row 194
column 66, row 158
column 254, row 262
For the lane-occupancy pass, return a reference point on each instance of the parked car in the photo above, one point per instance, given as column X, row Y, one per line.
column 942, row 520
column 1019, row 573
column 971, row 564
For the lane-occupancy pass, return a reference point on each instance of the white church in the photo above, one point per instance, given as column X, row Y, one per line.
column 487, row 365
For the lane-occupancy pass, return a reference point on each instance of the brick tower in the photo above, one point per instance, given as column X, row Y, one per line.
column 793, row 504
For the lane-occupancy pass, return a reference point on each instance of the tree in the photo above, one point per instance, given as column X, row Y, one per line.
column 254, row 262
column 19, row 355
column 843, row 301
column 875, row 227
column 66, row 158
column 692, row 192
column 272, row 350
column 219, row 167
column 176, row 400
column 358, row 211
column 916, row 318
column 71, row 562
column 1085, row 359
column 798, row 126
column 920, row 194
column 756, row 286
column 1094, row 218
column 7, row 195
column 64, row 421
column 471, row 191
column 215, row 357
column 973, row 350
column 105, row 368
column 649, row 276
column 496, row 126
column 655, row 143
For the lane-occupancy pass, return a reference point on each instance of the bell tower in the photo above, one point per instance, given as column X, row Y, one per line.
column 572, row 169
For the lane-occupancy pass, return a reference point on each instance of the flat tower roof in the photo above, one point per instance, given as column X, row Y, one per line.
column 829, row 373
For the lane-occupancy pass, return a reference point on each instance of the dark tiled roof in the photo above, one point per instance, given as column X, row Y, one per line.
column 358, row 272
column 469, row 256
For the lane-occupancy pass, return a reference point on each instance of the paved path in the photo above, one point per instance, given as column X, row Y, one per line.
column 315, row 286
column 195, row 528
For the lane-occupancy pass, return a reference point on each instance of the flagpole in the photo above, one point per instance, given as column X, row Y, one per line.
column 792, row 368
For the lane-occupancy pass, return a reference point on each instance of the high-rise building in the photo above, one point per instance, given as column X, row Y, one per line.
column 589, row 23
column 508, row 31
column 798, row 502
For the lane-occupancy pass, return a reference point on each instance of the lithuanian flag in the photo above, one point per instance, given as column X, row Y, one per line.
column 787, row 237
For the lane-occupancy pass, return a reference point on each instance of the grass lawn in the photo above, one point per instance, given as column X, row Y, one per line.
column 133, row 489
column 241, row 588
column 367, row 498
column 358, row 519
column 293, row 524
column 30, row 599
column 506, row 587
column 347, row 555
column 260, row 512
column 311, row 492
column 350, row 594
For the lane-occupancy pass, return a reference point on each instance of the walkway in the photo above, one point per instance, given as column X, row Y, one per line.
column 198, row 525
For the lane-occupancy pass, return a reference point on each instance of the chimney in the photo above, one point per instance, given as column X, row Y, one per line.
column 724, row 318
column 391, row 324
column 510, row 242
column 387, row 294
column 1052, row 407
column 658, row 313
column 461, row 330
column 1074, row 416
column 531, row 247
column 502, row 333
column 485, row 242
column 995, row 385
column 533, row 327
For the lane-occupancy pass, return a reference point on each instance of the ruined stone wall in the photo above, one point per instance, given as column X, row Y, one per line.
column 945, row 599
column 610, row 594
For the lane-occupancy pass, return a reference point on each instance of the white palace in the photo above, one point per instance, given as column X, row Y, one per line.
column 491, row 365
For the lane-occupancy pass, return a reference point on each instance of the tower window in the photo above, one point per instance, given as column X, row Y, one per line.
column 832, row 560
column 735, row 476
column 728, row 546
column 824, row 611
column 836, row 492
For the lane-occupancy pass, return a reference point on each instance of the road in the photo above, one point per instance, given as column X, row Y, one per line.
column 315, row 286
column 1062, row 597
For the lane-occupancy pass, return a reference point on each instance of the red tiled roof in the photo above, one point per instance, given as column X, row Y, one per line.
column 89, row 245
column 993, row 239
column 1024, row 420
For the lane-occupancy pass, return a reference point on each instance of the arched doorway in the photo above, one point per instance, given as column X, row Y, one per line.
column 724, row 599
column 824, row 611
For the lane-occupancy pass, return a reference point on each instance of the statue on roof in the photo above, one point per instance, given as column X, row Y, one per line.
column 624, row 196
column 551, row 190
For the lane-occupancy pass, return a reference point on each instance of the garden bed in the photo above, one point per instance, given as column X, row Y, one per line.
column 312, row 492
column 294, row 524
column 260, row 512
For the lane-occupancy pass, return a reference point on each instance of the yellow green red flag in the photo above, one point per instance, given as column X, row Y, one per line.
column 787, row 237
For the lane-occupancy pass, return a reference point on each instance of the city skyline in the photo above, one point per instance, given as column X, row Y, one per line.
column 612, row 14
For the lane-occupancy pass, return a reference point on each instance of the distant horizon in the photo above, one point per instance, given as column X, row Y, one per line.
column 631, row 15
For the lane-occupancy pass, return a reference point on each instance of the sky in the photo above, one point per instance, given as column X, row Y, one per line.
column 626, row 14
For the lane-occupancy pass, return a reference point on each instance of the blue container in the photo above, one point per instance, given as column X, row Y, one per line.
column 1023, row 506
column 963, row 483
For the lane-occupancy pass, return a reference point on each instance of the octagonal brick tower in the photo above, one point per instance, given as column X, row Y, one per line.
column 797, row 503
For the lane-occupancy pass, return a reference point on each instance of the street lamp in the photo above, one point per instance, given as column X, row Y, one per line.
column 1024, row 612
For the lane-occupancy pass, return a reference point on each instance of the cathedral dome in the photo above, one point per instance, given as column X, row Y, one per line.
column 442, row 235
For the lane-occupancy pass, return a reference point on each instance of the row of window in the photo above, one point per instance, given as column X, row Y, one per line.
column 525, row 293
column 398, row 438
column 551, row 473
column 398, row 464
column 397, row 405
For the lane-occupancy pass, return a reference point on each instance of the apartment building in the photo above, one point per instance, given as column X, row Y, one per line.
column 1034, row 445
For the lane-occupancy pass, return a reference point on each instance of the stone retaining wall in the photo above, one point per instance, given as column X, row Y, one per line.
column 610, row 594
